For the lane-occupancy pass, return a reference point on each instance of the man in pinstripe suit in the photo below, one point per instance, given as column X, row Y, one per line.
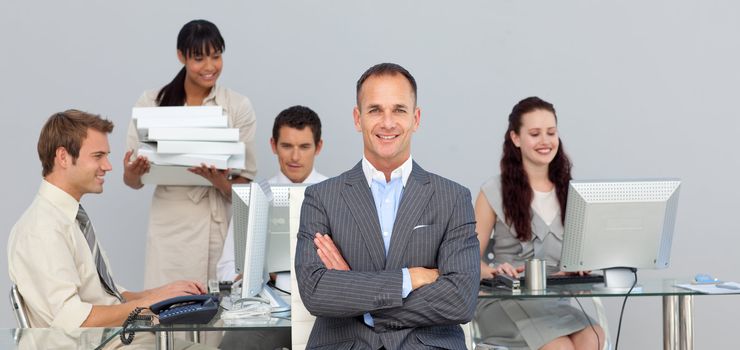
column 387, row 255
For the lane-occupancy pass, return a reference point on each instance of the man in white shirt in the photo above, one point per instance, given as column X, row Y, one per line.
column 296, row 140
column 53, row 255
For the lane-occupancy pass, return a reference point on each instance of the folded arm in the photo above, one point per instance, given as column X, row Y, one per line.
column 451, row 298
column 337, row 293
column 333, row 260
column 329, row 289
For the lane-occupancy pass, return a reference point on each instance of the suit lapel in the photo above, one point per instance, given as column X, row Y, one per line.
column 415, row 198
column 361, row 204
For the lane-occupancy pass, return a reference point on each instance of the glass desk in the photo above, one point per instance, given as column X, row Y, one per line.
column 164, row 333
column 53, row 338
column 108, row 338
column 678, row 304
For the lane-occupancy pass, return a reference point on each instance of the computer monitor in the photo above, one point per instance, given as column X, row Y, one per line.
column 251, row 208
column 250, row 202
column 619, row 226
column 278, row 247
column 278, row 239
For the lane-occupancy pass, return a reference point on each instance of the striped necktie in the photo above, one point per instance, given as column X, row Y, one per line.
column 89, row 233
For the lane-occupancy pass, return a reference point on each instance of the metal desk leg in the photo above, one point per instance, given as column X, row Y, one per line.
column 165, row 340
column 670, row 322
column 196, row 337
column 686, row 322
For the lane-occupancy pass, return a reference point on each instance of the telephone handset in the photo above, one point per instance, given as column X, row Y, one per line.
column 187, row 309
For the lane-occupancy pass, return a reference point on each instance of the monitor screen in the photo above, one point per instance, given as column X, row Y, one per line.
column 619, row 226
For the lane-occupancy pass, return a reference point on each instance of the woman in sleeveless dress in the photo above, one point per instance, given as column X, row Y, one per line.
column 519, row 216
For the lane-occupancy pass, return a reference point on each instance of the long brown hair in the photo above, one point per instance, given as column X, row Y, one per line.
column 516, row 191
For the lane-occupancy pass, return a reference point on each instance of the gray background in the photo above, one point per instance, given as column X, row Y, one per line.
column 642, row 89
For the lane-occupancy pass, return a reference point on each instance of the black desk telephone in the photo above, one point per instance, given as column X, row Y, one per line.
column 188, row 309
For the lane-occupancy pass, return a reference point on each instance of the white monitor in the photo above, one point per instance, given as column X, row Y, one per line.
column 240, row 197
column 251, row 207
column 619, row 226
column 278, row 238
column 262, row 226
column 278, row 247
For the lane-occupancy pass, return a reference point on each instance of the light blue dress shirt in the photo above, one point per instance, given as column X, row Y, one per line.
column 387, row 197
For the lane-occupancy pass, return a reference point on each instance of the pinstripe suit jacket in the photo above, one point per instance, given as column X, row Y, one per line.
column 434, row 227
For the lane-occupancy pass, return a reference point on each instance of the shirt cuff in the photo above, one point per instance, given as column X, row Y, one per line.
column 406, row 290
column 368, row 320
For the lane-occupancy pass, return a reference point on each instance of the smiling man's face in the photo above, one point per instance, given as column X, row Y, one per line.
column 387, row 116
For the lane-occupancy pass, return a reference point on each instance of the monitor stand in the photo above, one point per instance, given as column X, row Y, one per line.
column 618, row 280
column 276, row 301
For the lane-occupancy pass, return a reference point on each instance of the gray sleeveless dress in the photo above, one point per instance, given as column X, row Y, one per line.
column 524, row 323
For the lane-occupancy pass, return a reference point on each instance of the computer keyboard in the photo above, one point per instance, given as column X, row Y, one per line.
column 552, row 280
column 502, row 281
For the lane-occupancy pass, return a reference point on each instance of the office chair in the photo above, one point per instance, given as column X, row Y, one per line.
column 16, row 303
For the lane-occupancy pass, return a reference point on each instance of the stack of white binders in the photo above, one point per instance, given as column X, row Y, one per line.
column 176, row 138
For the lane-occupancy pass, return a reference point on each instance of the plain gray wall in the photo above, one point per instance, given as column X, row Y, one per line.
column 642, row 89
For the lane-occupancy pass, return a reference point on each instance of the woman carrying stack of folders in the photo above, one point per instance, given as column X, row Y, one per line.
column 520, row 216
column 187, row 224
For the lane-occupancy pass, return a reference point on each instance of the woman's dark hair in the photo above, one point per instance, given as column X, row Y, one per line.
column 516, row 191
column 196, row 38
